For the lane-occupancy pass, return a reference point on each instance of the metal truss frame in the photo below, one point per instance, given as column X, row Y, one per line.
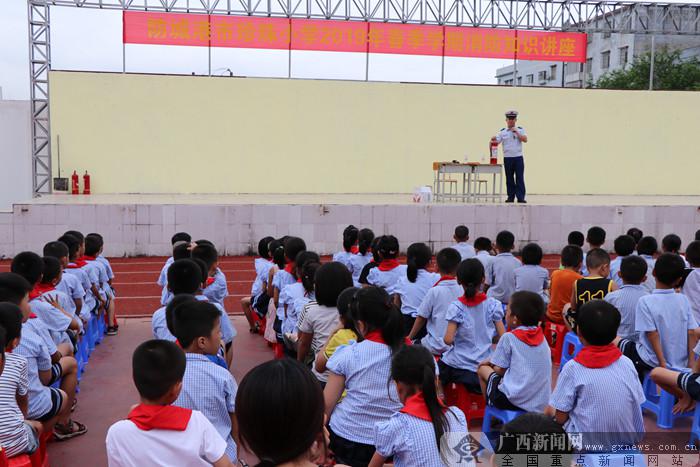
column 589, row 16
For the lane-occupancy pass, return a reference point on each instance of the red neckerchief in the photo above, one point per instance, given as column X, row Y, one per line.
column 445, row 278
column 354, row 249
column 473, row 301
column 290, row 267
column 162, row 417
column 415, row 406
column 89, row 258
column 210, row 281
column 40, row 289
column 376, row 336
column 79, row 263
column 388, row 264
column 32, row 315
column 532, row 337
column 598, row 356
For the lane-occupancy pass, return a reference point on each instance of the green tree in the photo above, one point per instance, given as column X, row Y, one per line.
column 670, row 73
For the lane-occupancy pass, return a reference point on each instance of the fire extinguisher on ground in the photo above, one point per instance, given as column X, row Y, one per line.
column 493, row 146
column 74, row 184
column 86, row 183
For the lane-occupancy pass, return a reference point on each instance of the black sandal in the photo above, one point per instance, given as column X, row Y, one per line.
column 69, row 430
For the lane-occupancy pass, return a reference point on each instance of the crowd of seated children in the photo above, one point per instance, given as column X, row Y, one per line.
column 307, row 276
column 461, row 238
column 412, row 288
column 595, row 237
column 594, row 286
column 292, row 295
column 691, row 285
column 256, row 303
column 648, row 248
column 531, row 276
column 184, row 276
column 180, row 238
column 623, row 246
column 344, row 333
column 632, row 272
column 350, row 248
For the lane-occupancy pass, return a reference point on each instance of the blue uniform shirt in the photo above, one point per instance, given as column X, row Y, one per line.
column 433, row 309
column 413, row 293
column 625, row 300
column 501, row 276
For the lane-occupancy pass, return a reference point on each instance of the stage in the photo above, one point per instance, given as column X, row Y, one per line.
column 142, row 224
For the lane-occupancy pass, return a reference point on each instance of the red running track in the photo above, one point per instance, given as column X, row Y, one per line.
column 138, row 294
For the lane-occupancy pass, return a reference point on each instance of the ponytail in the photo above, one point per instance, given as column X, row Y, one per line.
column 470, row 275
column 418, row 257
column 374, row 307
column 278, row 257
column 435, row 406
column 364, row 241
column 393, row 330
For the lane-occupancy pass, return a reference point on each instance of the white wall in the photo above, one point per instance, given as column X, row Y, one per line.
column 15, row 153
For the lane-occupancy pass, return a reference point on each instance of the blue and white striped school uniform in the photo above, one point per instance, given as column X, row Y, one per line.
column 212, row 390
column 165, row 294
column 262, row 269
column 71, row 286
column 159, row 326
column 615, row 269
column 289, row 325
column 532, row 278
column 650, row 283
column 604, row 401
column 56, row 322
column 369, row 397
column 387, row 279
column 668, row 313
column 691, row 289
column 475, row 332
column 282, row 278
column 411, row 440
column 464, row 249
column 89, row 302
column 433, row 309
column 343, row 257
column 228, row 331
column 288, row 295
column 501, row 276
column 625, row 299
column 356, row 264
column 413, row 293
column 218, row 290
column 527, row 382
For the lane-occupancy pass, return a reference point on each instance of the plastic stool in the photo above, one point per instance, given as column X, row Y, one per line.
column 90, row 333
column 660, row 403
column 617, row 459
column 41, row 458
column 571, row 347
column 504, row 416
column 3, row 458
column 279, row 351
column 22, row 460
column 263, row 324
column 554, row 333
column 471, row 404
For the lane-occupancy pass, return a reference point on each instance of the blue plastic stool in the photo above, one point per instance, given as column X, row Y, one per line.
column 613, row 459
column 90, row 333
column 82, row 355
column 101, row 328
column 661, row 404
column 695, row 428
column 504, row 416
column 571, row 347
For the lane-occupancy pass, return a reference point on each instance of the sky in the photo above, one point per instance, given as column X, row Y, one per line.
column 103, row 52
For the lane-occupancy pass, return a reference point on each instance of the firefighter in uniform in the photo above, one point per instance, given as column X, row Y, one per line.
column 512, row 138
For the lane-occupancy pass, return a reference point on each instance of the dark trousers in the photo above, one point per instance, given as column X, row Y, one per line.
column 515, row 177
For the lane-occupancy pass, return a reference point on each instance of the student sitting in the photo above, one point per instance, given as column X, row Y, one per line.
column 624, row 246
column 562, row 284
column 430, row 325
column 206, row 386
column 93, row 250
column 595, row 286
column 17, row 436
column 344, row 335
column 180, row 238
column 91, row 271
column 483, row 249
column 461, row 237
column 412, row 288
column 350, row 236
column 691, row 286
column 472, row 322
column 531, row 276
column 374, row 263
column 184, row 277
column 69, row 284
column 156, row 433
column 501, row 275
column 672, row 243
column 363, row 370
column 413, row 435
column 75, row 269
column 389, row 271
column 46, row 292
column 292, row 246
column 518, row 375
column 249, row 305
column 633, row 272
column 647, row 249
column 45, row 365
column 598, row 393
column 595, row 237
column 281, row 400
column 664, row 321
column 290, row 294
column 216, row 288
column 357, row 262
column 307, row 275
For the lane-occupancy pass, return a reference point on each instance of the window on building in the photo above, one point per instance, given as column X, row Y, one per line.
column 624, row 55
column 542, row 76
column 589, row 65
column 520, row 80
column 553, row 72
column 606, row 35
column 509, row 82
column 529, row 79
column 605, row 60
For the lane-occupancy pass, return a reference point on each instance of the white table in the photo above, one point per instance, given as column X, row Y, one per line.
column 470, row 176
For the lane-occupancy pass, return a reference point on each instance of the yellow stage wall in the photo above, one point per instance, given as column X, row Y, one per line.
column 175, row 134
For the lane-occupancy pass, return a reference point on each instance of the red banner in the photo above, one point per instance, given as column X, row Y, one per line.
column 351, row 36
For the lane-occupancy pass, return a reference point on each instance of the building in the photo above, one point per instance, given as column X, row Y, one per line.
column 605, row 52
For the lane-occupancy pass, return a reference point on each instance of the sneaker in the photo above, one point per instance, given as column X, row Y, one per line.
column 112, row 331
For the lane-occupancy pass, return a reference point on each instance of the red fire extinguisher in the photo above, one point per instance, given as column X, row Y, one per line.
column 494, row 151
column 74, row 184
column 86, row 183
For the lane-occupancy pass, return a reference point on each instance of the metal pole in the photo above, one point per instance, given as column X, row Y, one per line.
column 651, row 64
